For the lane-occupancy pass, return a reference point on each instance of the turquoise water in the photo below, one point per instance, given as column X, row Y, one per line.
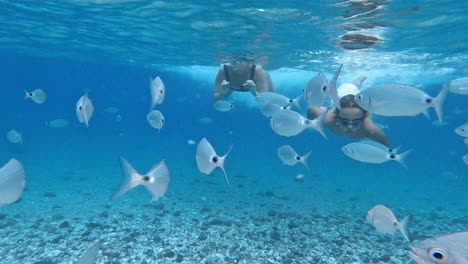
column 110, row 49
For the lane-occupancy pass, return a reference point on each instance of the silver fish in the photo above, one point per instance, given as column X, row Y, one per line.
column 372, row 154
column 459, row 86
column 223, row 106
column 207, row 159
column 90, row 256
column 57, row 123
column 449, row 248
column 269, row 110
column 314, row 92
column 158, row 92
column 399, row 100
column 276, row 98
column 84, row 109
column 290, row 157
column 381, row 146
column 383, row 219
column 290, row 123
column 12, row 181
column 462, row 130
column 156, row 119
column 155, row 180
column 38, row 96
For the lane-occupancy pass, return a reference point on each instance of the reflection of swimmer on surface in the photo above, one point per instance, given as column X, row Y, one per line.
column 352, row 121
column 242, row 77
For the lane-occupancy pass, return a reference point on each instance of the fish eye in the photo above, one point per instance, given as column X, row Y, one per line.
column 437, row 255
column 214, row 159
column 161, row 91
column 79, row 108
column 162, row 120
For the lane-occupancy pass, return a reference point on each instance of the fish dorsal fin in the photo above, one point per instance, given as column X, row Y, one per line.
column 332, row 91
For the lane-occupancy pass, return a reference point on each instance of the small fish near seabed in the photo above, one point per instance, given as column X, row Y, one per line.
column 207, row 159
column 191, row 142
column 223, row 106
column 399, row 100
column 290, row 123
column 370, row 153
column 383, row 219
column 462, row 130
column 38, row 96
column 57, row 123
column 158, row 92
column 90, row 256
column 12, row 181
column 155, row 180
column 290, row 157
column 449, row 248
column 156, row 119
column 15, row 137
column 84, row 109
column 459, row 86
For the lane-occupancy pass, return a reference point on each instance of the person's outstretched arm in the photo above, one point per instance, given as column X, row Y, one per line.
column 261, row 81
column 376, row 134
column 219, row 92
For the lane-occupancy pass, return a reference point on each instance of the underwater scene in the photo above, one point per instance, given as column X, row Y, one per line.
column 144, row 131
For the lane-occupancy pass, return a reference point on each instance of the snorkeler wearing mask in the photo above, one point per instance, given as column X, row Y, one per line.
column 351, row 121
column 241, row 77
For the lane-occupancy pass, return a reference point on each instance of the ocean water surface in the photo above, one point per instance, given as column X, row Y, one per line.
column 110, row 48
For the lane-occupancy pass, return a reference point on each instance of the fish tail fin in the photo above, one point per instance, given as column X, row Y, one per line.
column 426, row 114
column 401, row 157
column 304, row 160
column 296, row 102
column 332, row 91
column 439, row 101
column 359, row 80
column 26, row 95
column 396, row 150
column 130, row 179
column 222, row 166
column 317, row 124
column 403, row 226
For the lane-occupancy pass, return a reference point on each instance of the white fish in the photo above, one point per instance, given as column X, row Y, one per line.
column 191, row 142
column 314, row 92
column 299, row 177
column 372, row 154
column 459, row 86
column 12, row 182
column 155, row 180
column 206, row 120
column 57, row 123
column 462, row 130
column 158, row 92
column 289, row 123
column 223, row 106
column 465, row 159
column 15, row 137
column 449, row 248
column 269, row 110
column 399, row 100
column 38, row 96
column 90, row 256
column 155, row 119
column 276, row 98
column 290, row 157
column 207, row 159
column 383, row 219
column 84, row 109
column 111, row 110
column 381, row 146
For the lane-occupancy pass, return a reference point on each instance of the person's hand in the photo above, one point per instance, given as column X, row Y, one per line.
column 225, row 86
column 250, row 85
